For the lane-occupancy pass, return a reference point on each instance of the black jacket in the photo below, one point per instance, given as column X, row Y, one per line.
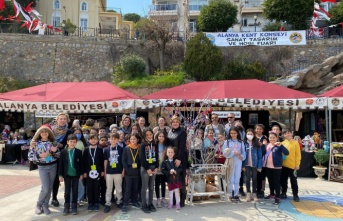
column 63, row 165
column 98, row 160
column 167, row 166
column 177, row 138
column 144, row 151
column 127, row 162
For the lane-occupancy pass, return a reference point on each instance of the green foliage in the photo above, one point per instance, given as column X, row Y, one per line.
column 218, row 15
column 10, row 84
column 111, row 10
column 155, row 81
column 129, row 66
column 294, row 12
column 242, row 68
column 70, row 27
column 203, row 60
column 321, row 156
column 132, row 17
column 337, row 14
column 274, row 26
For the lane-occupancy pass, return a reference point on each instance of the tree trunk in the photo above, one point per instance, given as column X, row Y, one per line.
column 161, row 55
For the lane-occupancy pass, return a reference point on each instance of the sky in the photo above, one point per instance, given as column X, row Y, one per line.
column 140, row 7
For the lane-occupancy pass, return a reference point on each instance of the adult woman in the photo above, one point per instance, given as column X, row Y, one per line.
column 125, row 124
column 162, row 125
column 177, row 138
column 45, row 155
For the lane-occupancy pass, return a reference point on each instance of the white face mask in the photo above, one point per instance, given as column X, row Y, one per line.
column 250, row 137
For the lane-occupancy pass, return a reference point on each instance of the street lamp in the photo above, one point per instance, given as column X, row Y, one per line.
column 255, row 18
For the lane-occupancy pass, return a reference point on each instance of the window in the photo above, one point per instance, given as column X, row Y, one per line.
column 57, row 4
column 192, row 26
column 244, row 22
column 56, row 19
column 84, row 21
column 84, row 6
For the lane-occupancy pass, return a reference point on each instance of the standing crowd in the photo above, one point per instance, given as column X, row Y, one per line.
column 126, row 164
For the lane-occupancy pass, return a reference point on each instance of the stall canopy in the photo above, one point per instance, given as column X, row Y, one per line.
column 72, row 97
column 335, row 98
column 235, row 93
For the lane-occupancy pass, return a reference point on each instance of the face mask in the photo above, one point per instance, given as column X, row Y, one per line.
column 250, row 137
column 78, row 136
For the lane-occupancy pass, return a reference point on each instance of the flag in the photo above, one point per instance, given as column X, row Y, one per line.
column 2, row 5
column 333, row 1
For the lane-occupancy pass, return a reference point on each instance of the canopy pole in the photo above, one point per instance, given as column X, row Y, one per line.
column 330, row 125
column 327, row 124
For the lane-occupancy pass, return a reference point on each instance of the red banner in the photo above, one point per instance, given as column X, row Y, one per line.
column 2, row 5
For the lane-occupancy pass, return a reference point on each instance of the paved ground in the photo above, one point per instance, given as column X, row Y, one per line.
column 320, row 200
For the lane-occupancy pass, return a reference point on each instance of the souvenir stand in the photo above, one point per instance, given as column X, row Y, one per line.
column 233, row 95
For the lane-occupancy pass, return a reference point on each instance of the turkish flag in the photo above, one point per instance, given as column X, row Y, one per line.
column 333, row 1
column 2, row 5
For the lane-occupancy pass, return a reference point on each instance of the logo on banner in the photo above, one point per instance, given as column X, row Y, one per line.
column 320, row 101
column 309, row 101
column 295, row 37
column 335, row 101
column 211, row 37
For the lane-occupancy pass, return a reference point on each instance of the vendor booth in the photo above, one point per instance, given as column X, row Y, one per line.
column 70, row 97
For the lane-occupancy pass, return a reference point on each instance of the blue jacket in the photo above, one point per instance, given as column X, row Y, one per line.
column 256, row 156
column 276, row 152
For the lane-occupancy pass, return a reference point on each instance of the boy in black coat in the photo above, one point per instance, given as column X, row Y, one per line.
column 70, row 171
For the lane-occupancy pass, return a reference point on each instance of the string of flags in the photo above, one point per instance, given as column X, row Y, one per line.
column 32, row 17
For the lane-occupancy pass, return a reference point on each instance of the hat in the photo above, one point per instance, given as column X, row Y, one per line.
column 113, row 126
column 44, row 127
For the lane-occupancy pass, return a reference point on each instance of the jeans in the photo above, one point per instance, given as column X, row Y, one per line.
column 147, row 183
column 71, row 185
column 251, row 172
column 47, row 176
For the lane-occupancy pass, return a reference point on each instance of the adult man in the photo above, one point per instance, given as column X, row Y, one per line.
column 290, row 165
column 216, row 126
column 230, row 123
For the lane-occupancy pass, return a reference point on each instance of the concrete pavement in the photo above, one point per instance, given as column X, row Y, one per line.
column 320, row 200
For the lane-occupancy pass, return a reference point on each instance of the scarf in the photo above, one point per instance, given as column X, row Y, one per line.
column 59, row 132
column 133, row 146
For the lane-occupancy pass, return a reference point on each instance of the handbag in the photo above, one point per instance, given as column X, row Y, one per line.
column 33, row 166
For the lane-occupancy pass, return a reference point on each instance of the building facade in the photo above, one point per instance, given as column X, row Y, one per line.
column 84, row 14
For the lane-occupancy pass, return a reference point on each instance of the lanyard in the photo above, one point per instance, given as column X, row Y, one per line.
column 150, row 151
column 115, row 147
column 71, row 158
column 133, row 157
column 90, row 153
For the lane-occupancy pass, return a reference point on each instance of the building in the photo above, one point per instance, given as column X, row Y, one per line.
column 249, row 13
column 86, row 14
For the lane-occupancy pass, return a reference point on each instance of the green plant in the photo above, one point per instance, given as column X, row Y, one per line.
column 129, row 67
column 10, row 84
column 321, row 156
column 274, row 26
column 70, row 27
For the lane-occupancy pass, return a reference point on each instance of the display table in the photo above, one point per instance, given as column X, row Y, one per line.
column 306, row 164
column 11, row 153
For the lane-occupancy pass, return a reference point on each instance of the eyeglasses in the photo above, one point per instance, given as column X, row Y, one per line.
column 230, row 117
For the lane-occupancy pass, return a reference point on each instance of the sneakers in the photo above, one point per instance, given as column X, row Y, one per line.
column 178, row 206
column 248, row 197
column 170, row 206
column 277, row 201
column 269, row 197
column 38, row 210
column 124, row 209
column 55, row 203
column 283, row 196
column 74, row 208
column 120, row 205
column 241, row 192
column 96, row 207
column 145, row 209
column 159, row 203
column 46, row 210
column 236, row 199
column 107, row 209
column 136, row 205
column 90, row 208
column 164, row 202
column 296, row 198
column 254, row 197
column 151, row 207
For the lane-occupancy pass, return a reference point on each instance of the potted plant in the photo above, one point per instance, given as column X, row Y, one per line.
column 321, row 156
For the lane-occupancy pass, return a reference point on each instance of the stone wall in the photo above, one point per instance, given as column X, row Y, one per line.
column 42, row 59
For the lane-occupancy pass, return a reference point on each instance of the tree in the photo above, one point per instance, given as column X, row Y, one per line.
column 159, row 31
column 132, row 17
column 218, row 15
column 242, row 68
column 203, row 60
column 337, row 14
column 294, row 12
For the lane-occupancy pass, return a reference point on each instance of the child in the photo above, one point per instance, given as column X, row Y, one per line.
column 277, row 129
column 173, row 177
column 103, row 144
column 149, row 161
column 131, row 164
column 113, row 171
column 252, row 163
column 261, row 177
column 70, row 171
column 273, row 164
column 45, row 155
column 196, row 146
column 160, row 180
column 93, row 161
column 234, row 147
column 290, row 165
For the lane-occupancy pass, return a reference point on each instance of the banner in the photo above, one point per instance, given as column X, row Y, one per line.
column 272, row 38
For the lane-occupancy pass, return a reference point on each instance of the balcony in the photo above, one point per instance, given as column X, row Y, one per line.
column 194, row 10
column 163, row 10
column 252, row 6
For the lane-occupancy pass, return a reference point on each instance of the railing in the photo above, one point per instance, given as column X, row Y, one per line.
column 195, row 7
column 164, row 7
column 253, row 3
